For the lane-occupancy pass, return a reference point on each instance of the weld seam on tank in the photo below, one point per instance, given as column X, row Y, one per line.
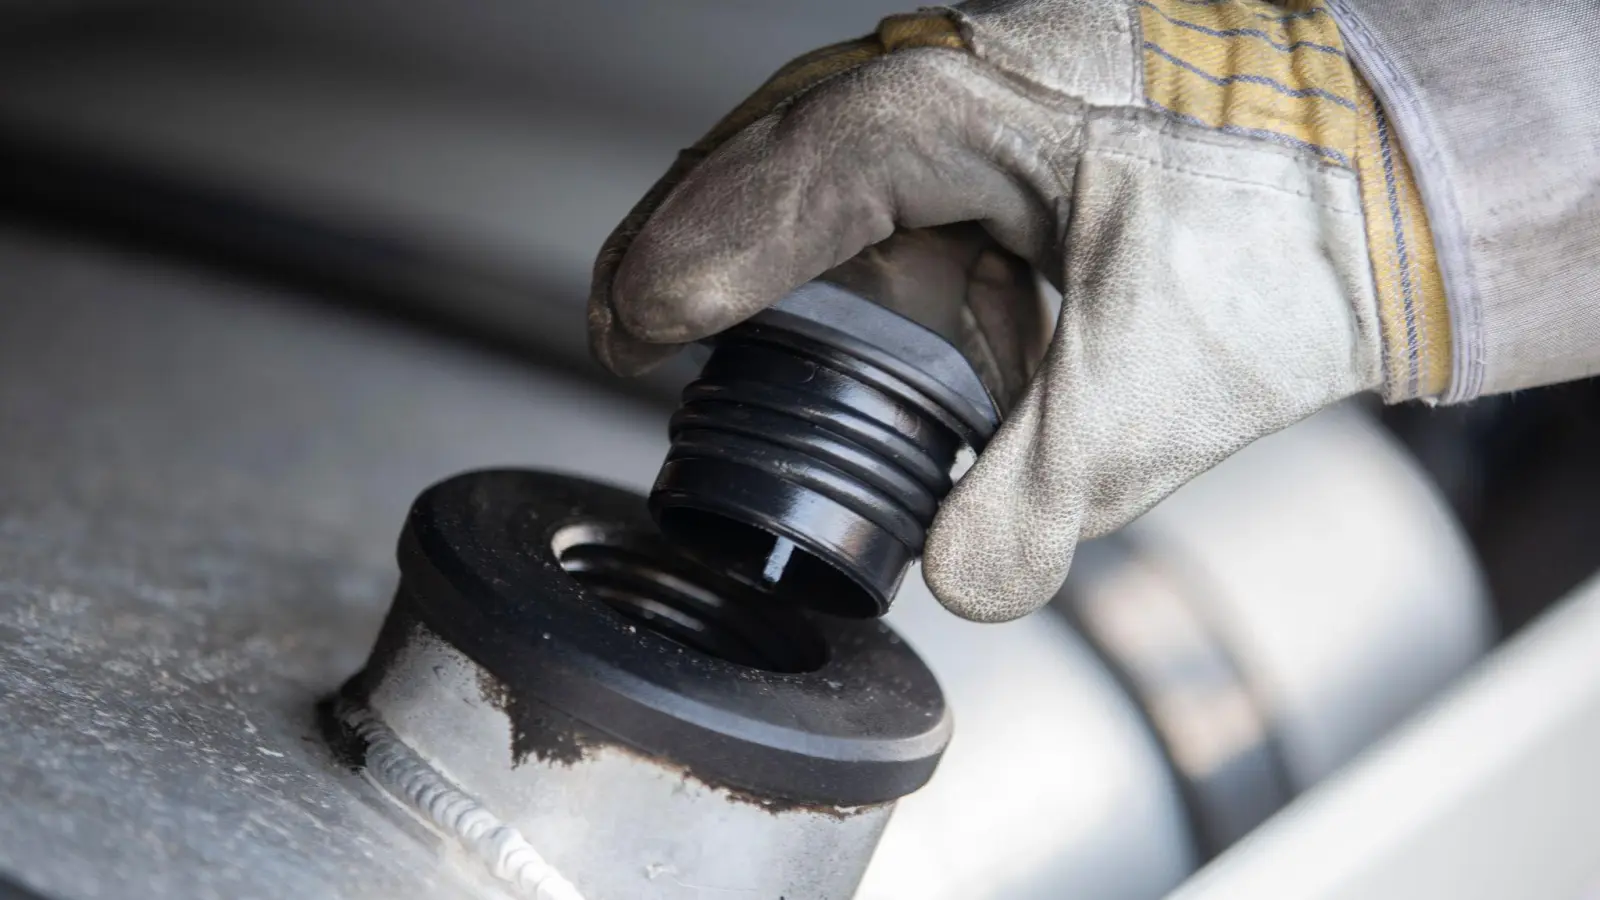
column 399, row 772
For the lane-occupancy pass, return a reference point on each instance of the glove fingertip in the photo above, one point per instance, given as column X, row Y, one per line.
column 672, row 316
column 1004, row 538
column 671, row 290
column 981, row 575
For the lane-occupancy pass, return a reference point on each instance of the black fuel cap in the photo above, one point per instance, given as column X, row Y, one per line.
column 811, row 454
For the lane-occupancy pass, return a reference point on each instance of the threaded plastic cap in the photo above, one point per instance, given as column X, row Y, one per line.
column 811, row 454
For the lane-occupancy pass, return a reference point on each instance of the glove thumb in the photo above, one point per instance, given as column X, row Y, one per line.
column 1004, row 538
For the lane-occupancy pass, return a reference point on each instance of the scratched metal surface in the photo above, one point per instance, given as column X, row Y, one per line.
column 199, row 490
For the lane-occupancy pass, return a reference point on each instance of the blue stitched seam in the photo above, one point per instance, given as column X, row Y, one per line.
column 1250, row 79
column 1414, row 375
column 1240, row 130
column 1289, row 17
column 1283, row 18
column 1242, row 32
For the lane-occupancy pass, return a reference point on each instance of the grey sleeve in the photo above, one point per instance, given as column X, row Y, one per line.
column 1498, row 107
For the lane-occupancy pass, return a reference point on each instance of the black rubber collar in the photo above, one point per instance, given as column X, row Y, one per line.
column 478, row 559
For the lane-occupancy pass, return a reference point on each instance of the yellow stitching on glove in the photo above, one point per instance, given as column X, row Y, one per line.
column 1405, row 271
column 1279, row 72
column 1252, row 68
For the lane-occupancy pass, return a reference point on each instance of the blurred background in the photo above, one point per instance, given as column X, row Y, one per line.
column 459, row 166
column 269, row 268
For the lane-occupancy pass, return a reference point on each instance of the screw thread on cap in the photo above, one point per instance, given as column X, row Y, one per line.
column 812, row 453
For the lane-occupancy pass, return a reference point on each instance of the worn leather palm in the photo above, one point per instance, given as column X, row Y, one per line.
column 1190, row 174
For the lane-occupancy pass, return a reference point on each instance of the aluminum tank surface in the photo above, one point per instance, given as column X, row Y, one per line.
column 201, row 481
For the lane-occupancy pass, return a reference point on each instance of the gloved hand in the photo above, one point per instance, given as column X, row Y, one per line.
column 1236, row 239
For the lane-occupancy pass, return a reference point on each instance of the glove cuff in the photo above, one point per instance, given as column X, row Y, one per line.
column 1412, row 311
column 1280, row 74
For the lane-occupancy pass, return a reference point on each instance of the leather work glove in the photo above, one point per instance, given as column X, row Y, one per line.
column 1235, row 235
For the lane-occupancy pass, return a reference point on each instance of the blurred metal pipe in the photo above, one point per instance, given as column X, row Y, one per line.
column 319, row 257
column 1249, row 635
column 1494, row 794
column 1336, row 574
column 1283, row 611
